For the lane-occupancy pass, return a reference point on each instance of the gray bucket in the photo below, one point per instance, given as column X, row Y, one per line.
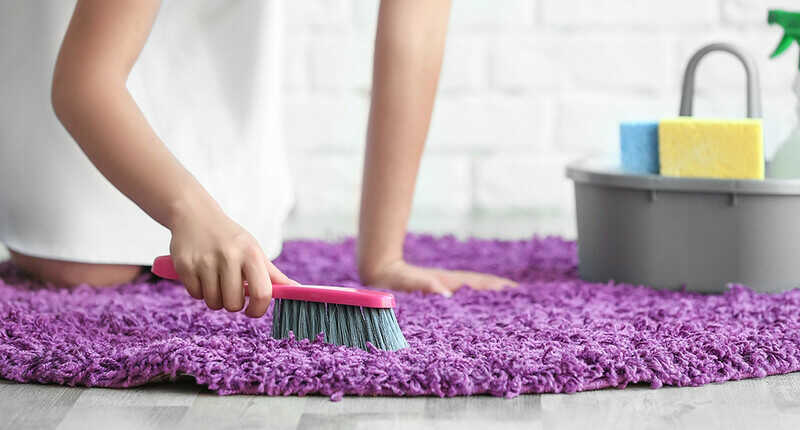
column 699, row 233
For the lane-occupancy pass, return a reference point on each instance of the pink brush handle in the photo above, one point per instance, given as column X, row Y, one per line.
column 163, row 267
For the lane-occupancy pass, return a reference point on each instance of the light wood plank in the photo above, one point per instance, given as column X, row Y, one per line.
column 33, row 406
column 753, row 403
column 784, row 390
column 485, row 409
column 631, row 408
column 154, row 406
column 734, row 404
column 362, row 413
column 478, row 412
column 243, row 412
column 166, row 394
column 123, row 417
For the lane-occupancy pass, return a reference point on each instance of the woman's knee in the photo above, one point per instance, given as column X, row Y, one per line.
column 74, row 273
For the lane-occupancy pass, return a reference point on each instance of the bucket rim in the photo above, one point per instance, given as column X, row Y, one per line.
column 602, row 170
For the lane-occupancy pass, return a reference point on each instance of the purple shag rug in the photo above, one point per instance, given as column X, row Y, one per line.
column 552, row 334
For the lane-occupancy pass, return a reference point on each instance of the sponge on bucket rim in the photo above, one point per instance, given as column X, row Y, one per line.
column 638, row 145
column 711, row 148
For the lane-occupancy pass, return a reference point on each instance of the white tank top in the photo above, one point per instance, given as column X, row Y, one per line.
column 207, row 80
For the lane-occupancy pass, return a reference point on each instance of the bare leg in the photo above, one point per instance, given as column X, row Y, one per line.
column 72, row 273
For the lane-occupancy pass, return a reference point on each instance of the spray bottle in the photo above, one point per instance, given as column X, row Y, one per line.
column 786, row 162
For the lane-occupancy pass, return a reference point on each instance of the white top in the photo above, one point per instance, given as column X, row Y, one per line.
column 207, row 80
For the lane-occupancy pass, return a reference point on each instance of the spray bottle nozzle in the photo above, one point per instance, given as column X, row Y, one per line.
column 790, row 21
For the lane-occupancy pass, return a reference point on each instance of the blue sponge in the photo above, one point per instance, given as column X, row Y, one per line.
column 638, row 143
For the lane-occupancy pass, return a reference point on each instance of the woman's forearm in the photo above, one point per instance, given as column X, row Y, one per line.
column 115, row 136
column 90, row 98
column 409, row 46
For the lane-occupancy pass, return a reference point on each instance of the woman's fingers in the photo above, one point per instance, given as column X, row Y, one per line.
column 482, row 282
column 491, row 282
column 230, row 275
column 412, row 278
column 479, row 281
column 277, row 277
column 188, row 277
column 437, row 287
column 259, row 287
column 193, row 286
column 209, row 280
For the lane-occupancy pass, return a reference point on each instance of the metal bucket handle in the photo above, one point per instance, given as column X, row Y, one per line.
column 750, row 70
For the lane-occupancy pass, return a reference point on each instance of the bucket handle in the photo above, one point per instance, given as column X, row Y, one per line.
column 750, row 70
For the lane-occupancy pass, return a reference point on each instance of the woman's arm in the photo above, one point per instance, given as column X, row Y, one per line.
column 409, row 47
column 90, row 98
column 408, row 55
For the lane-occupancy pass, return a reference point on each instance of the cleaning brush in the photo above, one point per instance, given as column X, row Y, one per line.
column 345, row 316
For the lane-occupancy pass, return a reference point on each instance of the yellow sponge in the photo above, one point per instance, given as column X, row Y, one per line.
column 711, row 148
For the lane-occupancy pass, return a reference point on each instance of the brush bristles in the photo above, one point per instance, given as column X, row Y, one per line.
column 341, row 324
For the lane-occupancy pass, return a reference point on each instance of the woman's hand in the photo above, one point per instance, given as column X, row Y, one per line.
column 399, row 275
column 213, row 255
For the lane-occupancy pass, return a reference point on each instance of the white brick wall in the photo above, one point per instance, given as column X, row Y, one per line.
column 630, row 14
column 527, row 85
column 746, row 12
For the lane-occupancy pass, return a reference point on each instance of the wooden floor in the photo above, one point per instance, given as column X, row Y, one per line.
column 773, row 403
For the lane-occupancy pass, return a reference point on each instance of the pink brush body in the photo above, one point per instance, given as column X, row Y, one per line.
column 163, row 267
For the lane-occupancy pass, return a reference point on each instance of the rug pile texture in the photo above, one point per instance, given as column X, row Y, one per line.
column 553, row 333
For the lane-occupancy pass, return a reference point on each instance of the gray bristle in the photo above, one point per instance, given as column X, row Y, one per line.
column 340, row 324
column 276, row 322
column 355, row 323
